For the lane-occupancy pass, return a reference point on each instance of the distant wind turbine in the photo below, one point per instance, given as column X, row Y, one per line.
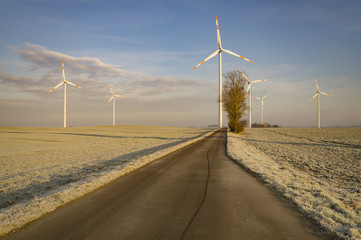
column 113, row 97
column 318, row 103
column 249, row 97
column 262, row 105
column 64, row 82
column 219, row 50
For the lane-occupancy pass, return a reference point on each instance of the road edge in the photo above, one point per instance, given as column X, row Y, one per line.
column 22, row 214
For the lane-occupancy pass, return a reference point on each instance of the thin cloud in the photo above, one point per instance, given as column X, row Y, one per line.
column 92, row 74
column 43, row 57
column 8, row 79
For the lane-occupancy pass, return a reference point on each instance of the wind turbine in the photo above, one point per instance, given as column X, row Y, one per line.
column 262, row 105
column 113, row 97
column 318, row 103
column 64, row 82
column 219, row 51
column 249, row 98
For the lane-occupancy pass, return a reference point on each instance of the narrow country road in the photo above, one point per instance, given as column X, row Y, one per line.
column 194, row 193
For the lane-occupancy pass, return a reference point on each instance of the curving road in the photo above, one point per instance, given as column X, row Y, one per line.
column 194, row 193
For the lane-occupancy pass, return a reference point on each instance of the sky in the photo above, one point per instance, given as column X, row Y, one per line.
column 146, row 50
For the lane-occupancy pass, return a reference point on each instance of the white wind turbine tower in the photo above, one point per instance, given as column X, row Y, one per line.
column 318, row 103
column 113, row 97
column 262, row 105
column 249, row 97
column 64, row 82
column 219, row 50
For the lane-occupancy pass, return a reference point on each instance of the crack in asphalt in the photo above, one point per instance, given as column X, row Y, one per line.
column 184, row 233
column 200, row 205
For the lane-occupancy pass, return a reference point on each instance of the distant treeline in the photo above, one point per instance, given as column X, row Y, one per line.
column 264, row 125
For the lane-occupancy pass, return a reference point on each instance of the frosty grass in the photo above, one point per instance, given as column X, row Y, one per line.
column 318, row 169
column 44, row 168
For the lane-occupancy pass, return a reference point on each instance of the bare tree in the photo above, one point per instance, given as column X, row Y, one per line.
column 234, row 100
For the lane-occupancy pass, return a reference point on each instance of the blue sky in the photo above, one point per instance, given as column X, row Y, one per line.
column 147, row 49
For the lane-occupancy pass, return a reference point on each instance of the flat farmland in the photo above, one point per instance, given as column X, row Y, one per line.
column 43, row 168
column 332, row 155
column 318, row 169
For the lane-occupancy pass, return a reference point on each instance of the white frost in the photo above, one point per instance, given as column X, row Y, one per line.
column 45, row 168
column 294, row 162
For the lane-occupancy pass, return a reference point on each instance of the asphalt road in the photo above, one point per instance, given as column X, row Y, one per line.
column 194, row 193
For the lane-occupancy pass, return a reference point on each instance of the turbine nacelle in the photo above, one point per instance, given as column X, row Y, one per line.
column 249, row 98
column 262, row 104
column 261, row 99
column 64, row 82
column 219, row 51
column 250, row 82
column 318, row 92
column 113, row 95
column 113, row 98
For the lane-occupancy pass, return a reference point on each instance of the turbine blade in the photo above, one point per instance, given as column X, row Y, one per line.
column 263, row 80
column 317, row 85
column 218, row 35
column 109, row 100
column 55, row 87
column 234, row 54
column 209, row 57
column 244, row 76
column 120, row 96
column 62, row 66
column 257, row 98
column 265, row 96
column 249, row 87
column 326, row 94
column 313, row 97
column 74, row 85
column 111, row 90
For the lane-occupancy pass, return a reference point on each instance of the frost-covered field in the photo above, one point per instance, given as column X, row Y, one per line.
column 43, row 168
column 318, row 169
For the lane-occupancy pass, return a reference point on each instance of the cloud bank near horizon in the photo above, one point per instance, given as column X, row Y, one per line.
column 43, row 67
